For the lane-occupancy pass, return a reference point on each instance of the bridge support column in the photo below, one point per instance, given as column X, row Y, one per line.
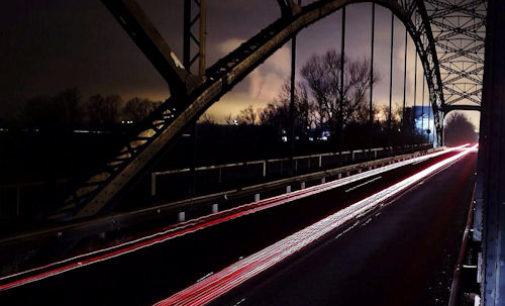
column 490, row 194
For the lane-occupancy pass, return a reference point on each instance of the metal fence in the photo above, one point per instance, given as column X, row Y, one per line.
column 23, row 199
column 276, row 167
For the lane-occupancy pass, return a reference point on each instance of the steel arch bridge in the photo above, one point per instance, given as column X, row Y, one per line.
column 449, row 46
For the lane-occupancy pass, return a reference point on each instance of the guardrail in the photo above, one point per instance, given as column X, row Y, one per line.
column 13, row 196
column 320, row 159
column 20, row 199
column 112, row 229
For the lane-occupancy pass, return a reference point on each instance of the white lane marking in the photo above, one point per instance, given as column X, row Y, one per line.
column 241, row 271
column 204, row 277
column 194, row 222
column 347, row 230
column 239, row 302
column 366, row 222
column 363, row 184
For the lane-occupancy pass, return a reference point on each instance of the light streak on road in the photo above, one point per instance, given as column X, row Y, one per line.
column 243, row 270
column 194, row 225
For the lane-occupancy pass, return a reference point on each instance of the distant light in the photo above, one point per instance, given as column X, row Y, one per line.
column 81, row 131
column 284, row 138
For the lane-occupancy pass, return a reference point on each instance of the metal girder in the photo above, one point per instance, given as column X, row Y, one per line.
column 459, row 31
column 178, row 112
column 449, row 108
column 490, row 194
column 136, row 23
column 192, row 20
column 288, row 7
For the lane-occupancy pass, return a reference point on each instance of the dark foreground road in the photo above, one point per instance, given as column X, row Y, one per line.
column 392, row 259
column 404, row 256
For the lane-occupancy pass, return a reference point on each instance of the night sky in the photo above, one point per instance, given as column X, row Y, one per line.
column 50, row 45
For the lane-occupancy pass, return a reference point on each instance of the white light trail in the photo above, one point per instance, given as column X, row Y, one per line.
column 243, row 270
column 194, row 225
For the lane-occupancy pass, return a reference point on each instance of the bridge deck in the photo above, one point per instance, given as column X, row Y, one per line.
column 418, row 225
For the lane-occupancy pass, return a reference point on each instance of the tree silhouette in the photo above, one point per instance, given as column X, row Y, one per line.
column 62, row 111
column 137, row 109
column 322, row 76
column 247, row 116
column 103, row 112
column 459, row 130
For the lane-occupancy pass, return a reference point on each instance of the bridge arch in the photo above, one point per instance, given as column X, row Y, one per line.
column 179, row 111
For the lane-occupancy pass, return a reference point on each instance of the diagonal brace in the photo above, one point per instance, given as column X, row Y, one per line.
column 289, row 8
column 136, row 23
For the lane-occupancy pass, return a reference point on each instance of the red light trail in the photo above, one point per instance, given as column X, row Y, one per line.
column 191, row 226
column 232, row 276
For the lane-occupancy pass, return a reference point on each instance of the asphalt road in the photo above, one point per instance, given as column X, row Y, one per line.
column 401, row 248
column 404, row 256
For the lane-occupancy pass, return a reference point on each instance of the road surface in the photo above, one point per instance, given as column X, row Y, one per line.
column 393, row 258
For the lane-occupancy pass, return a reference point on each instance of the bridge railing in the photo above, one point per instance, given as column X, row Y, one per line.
column 277, row 167
column 21, row 200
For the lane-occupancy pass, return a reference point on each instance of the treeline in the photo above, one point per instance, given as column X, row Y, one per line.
column 323, row 106
column 69, row 110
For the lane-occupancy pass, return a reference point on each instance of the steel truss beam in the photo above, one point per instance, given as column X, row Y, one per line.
column 449, row 108
column 136, row 23
column 179, row 111
column 459, row 31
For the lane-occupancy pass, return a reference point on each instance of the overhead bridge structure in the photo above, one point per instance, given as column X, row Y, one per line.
column 444, row 33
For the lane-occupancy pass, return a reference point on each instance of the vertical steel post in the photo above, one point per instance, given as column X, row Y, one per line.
column 413, row 113
column 202, row 38
column 430, row 127
column 292, row 104
column 391, row 73
column 371, row 63
column 491, row 166
column 342, row 67
column 188, row 61
column 372, row 46
column 404, row 81
column 422, row 108
column 18, row 200
column 186, row 41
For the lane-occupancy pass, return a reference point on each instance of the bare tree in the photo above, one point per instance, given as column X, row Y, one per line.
column 459, row 130
column 104, row 111
column 277, row 112
column 247, row 116
column 207, row 119
column 229, row 120
column 137, row 109
column 396, row 115
column 60, row 111
column 322, row 75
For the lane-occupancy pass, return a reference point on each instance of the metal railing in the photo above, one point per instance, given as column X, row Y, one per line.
column 20, row 199
column 321, row 158
column 14, row 197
